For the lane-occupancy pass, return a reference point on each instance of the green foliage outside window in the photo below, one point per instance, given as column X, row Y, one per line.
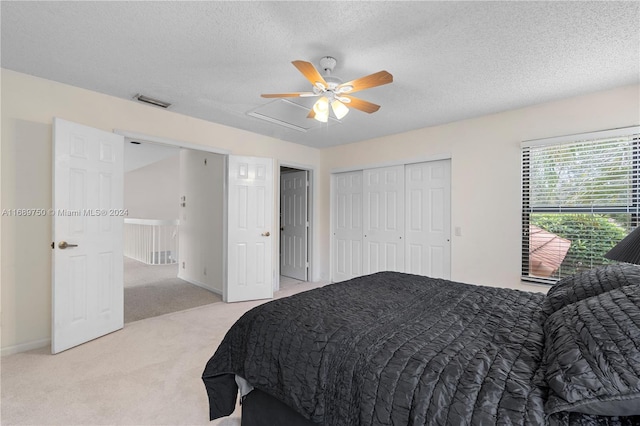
column 591, row 236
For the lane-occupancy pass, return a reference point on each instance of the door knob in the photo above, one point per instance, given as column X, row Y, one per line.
column 266, row 234
column 63, row 245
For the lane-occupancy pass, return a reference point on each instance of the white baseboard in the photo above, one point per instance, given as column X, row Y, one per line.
column 23, row 347
column 203, row 285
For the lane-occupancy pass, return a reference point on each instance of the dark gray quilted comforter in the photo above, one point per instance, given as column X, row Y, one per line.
column 393, row 349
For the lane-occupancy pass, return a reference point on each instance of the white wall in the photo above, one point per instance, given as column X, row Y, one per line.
column 28, row 107
column 152, row 191
column 485, row 173
column 201, row 238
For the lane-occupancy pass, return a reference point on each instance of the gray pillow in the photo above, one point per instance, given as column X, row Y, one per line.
column 592, row 355
column 590, row 283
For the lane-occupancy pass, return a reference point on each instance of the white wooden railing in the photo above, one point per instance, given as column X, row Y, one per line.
column 154, row 242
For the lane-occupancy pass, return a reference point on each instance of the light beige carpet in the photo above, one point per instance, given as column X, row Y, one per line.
column 153, row 290
column 138, row 273
column 145, row 374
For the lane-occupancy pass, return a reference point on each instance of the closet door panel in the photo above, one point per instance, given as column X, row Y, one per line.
column 428, row 215
column 347, row 224
column 384, row 218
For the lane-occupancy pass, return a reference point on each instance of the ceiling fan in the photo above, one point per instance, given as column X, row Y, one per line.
column 333, row 91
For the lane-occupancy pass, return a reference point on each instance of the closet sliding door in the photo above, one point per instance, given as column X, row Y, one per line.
column 428, row 219
column 347, row 226
column 383, row 225
column 394, row 218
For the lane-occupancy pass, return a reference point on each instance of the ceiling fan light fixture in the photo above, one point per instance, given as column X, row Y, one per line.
column 339, row 109
column 321, row 108
column 332, row 91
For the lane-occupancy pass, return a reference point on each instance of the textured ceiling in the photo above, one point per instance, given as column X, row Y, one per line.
column 212, row 60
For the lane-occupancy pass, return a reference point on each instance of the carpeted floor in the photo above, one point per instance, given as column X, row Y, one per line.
column 153, row 290
column 148, row 373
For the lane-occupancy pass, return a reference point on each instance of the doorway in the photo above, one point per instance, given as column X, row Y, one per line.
column 161, row 270
column 92, row 268
column 295, row 225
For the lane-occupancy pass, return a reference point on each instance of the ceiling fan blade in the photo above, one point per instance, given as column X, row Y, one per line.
column 288, row 95
column 373, row 80
column 312, row 114
column 361, row 105
column 310, row 72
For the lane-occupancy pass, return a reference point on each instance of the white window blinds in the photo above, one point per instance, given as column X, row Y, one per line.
column 579, row 198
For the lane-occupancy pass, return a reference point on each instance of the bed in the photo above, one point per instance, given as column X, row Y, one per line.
column 400, row 349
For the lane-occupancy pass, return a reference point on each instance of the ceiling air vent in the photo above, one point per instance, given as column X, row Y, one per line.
column 151, row 101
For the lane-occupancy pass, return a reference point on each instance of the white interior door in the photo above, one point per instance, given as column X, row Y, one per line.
column 383, row 193
column 428, row 219
column 347, row 226
column 87, row 294
column 294, row 225
column 249, row 229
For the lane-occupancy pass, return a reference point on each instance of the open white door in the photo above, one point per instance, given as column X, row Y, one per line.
column 87, row 234
column 249, row 233
column 293, row 225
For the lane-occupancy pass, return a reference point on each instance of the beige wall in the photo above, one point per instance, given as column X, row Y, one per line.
column 485, row 173
column 484, row 152
column 153, row 191
column 28, row 107
column 201, row 241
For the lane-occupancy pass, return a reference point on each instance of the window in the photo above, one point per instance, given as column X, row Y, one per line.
column 580, row 196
